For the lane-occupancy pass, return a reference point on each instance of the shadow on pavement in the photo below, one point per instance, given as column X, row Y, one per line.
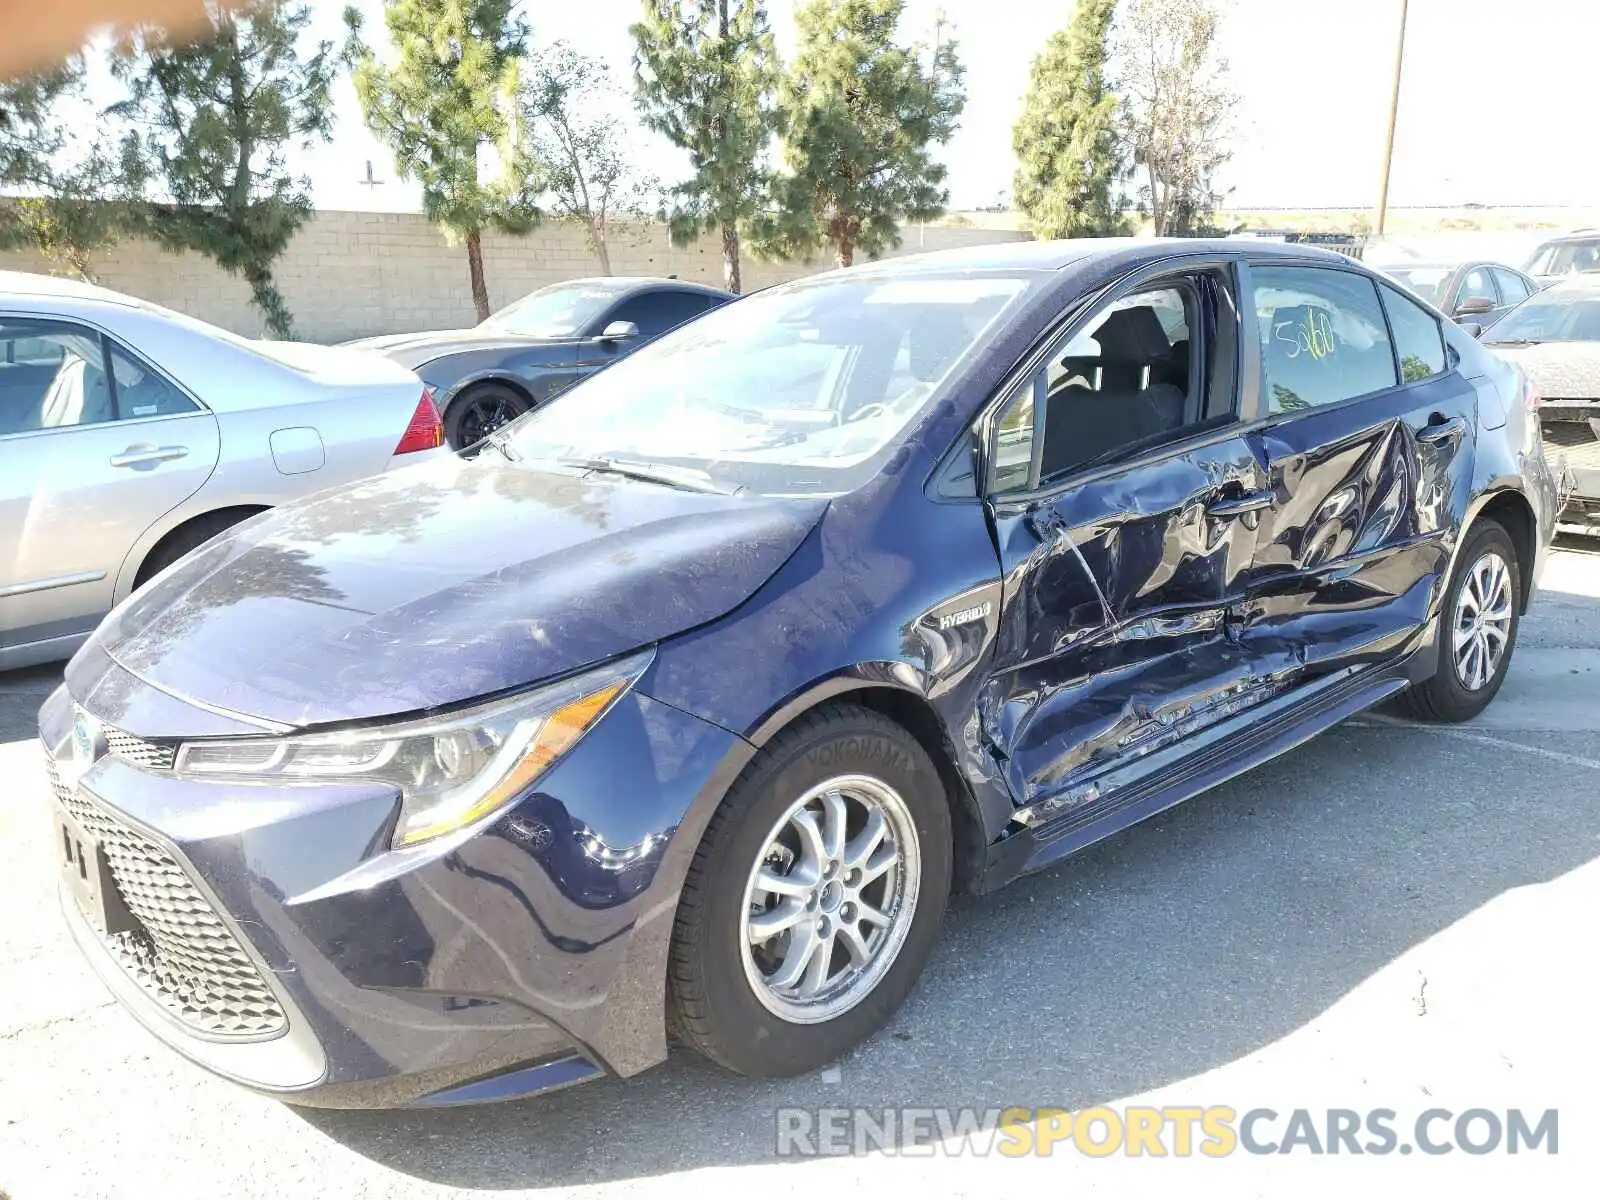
column 1188, row 942
column 21, row 694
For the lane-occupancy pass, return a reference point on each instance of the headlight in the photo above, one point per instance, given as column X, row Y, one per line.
column 451, row 769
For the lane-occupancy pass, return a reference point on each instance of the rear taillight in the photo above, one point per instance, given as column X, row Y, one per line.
column 1533, row 396
column 426, row 431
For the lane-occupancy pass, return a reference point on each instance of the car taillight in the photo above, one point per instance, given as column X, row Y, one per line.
column 426, row 431
column 1533, row 396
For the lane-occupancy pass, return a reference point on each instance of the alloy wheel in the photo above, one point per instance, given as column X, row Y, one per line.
column 830, row 899
column 1481, row 629
column 484, row 415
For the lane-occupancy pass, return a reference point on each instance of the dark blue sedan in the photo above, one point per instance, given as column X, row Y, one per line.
column 687, row 702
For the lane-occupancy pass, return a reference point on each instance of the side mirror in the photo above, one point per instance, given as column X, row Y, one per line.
column 1474, row 305
column 619, row 331
column 1475, row 328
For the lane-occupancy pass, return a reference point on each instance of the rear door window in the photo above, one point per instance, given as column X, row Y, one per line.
column 52, row 375
column 1323, row 337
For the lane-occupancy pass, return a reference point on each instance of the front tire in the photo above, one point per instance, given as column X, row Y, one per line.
column 1477, row 630
column 815, row 897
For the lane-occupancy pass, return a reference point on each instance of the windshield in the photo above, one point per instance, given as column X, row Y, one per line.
column 802, row 389
column 561, row 310
column 1548, row 318
column 1427, row 282
column 1564, row 258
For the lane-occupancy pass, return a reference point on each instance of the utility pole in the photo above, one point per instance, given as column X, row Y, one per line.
column 1394, row 112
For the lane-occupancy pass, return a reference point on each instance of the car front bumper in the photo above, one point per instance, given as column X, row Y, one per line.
column 1572, row 442
column 269, row 933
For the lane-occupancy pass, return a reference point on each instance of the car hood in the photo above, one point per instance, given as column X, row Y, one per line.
column 441, row 583
column 387, row 340
column 1560, row 370
column 411, row 350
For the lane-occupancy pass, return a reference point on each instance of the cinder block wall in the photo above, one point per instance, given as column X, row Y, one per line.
column 354, row 274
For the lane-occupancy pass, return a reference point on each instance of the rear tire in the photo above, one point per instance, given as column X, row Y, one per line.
column 1477, row 630
column 846, row 814
column 184, row 539
column 480, row 411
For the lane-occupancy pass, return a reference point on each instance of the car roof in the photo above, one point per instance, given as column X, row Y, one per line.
column 1457, row 265
column 1577, row 235
column 622, row 284
column 27, row 283
column 1072, row 252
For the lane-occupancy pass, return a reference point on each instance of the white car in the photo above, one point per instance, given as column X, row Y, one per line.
column 130, row 434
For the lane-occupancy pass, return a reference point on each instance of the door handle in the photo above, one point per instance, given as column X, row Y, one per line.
column 1439, row 430
column 147, row 456
column 1239, row 506
column 1047, row 523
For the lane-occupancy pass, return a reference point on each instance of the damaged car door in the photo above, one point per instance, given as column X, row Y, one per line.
column 1368, row 431
column 1126, row 500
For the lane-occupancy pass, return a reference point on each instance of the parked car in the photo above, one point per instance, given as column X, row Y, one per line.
column 1555, row 339
column 1473, row 294
column 130, row 434
column 1569, row 254
column 688, row 700
column 494, row 372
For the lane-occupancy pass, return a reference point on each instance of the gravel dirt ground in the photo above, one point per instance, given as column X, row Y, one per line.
column 1392, row 916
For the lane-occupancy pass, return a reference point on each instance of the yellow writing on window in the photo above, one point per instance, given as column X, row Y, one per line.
column 1313, row 336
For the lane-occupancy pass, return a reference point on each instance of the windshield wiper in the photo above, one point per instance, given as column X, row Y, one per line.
column 684, row 478
column 1514, row 342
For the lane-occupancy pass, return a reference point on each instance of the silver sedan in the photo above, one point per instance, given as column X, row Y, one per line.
column 130, row 434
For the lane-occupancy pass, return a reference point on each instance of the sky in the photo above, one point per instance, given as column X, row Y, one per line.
column 1495, row 105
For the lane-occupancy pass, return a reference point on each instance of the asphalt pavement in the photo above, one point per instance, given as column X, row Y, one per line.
column 1391, row 917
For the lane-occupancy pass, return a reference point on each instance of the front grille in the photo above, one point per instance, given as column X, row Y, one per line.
column 149, row 755
column 181, row 954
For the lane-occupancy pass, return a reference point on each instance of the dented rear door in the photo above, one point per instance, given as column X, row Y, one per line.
column 1369, row 489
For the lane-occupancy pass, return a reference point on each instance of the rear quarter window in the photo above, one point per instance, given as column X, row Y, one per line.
column 1418, row 340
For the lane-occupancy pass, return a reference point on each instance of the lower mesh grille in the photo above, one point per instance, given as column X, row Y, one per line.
column 182, row 955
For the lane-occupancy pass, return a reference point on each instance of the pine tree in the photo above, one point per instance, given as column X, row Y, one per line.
column 213, row 119
column 1069, row 156
column 29, row 131
column 705, row 72
column 451, row 94
column 861, row 115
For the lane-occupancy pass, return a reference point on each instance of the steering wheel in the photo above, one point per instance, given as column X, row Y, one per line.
column 867, row 410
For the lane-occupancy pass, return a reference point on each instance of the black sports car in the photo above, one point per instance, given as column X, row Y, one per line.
column 490, row 374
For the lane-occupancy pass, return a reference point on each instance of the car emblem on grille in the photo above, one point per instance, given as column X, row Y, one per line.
column 88, row 741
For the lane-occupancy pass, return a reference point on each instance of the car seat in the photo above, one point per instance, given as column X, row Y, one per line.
column 1134, row 401
column 78, row 395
